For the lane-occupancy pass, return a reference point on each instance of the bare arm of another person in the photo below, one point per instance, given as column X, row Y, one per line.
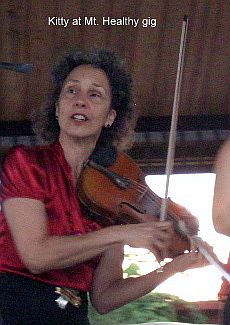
column 42, row 252
column 221, row 199
column 111, row 291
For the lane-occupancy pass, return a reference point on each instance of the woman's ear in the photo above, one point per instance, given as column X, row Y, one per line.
column 111, row 117
column 56, row 110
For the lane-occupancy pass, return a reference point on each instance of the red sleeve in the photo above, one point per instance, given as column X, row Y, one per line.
column 22, row 175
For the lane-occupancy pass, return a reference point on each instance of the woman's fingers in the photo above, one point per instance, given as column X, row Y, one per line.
column 193, row 259
column 149, row 234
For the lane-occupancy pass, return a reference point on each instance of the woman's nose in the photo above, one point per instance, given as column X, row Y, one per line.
column 80, row 101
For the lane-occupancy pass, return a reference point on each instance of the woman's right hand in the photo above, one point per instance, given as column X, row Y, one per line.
column 155, row 235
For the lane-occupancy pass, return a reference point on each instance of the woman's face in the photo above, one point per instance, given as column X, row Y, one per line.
column 84, row 105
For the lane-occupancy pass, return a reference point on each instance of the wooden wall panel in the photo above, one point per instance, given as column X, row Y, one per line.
column 151, row 53
column 14, row 47
column 206, row 80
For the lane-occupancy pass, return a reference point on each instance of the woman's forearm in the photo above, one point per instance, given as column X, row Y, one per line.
column 115, row 291
column 123, row 291
column 41, row 251
column 56, row 252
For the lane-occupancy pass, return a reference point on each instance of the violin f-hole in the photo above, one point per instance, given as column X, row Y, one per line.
column 132, row 212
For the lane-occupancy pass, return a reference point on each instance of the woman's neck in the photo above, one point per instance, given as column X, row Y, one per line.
column 76, row 152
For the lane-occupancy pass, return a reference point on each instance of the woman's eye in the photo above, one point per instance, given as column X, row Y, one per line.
column 71, row 91
column 96, row 95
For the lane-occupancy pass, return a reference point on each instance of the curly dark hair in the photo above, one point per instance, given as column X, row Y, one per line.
column 121, row 132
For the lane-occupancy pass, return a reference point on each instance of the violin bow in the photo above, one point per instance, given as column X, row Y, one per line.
column 171, row 153
column 173, row 128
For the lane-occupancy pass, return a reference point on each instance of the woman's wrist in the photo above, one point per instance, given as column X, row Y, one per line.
column 172, row 268
column 112, row 234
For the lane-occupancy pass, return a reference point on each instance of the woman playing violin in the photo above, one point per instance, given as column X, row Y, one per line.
column 47, row 243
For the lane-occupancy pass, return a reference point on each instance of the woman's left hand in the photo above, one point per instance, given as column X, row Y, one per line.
column 192, row 259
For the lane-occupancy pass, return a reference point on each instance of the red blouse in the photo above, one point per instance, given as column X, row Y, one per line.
column 225, row 287
column 43, row 173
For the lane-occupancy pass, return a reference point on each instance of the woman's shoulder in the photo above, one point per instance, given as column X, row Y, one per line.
column 23, row 150
column 224, row 151
column 222, row 159
column 24, row 173
column 22, row 154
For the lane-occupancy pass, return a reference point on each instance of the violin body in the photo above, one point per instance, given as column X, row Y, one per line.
column 110, row 204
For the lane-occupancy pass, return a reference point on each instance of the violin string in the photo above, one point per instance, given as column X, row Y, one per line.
column 149, row 194
column 145, row 190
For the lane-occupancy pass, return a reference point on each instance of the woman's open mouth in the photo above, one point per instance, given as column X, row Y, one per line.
column 79, row 117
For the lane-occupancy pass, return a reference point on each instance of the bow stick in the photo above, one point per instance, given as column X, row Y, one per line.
column 172, row 135
column 171, row 152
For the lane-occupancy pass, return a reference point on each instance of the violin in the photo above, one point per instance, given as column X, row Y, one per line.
column 117, row 194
